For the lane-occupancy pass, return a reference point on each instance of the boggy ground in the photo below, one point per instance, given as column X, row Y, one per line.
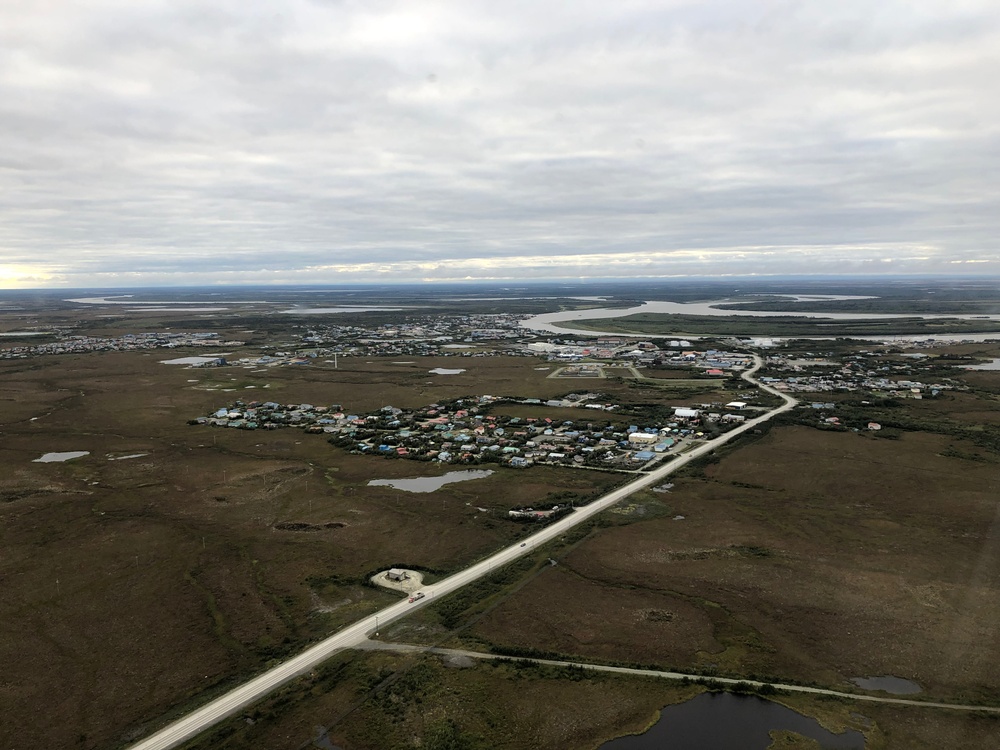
column 384, row 700
column 381, row 700
column 137, row 586
column 808, row 555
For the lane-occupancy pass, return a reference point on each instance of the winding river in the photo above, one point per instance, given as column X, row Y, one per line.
column 550, row 322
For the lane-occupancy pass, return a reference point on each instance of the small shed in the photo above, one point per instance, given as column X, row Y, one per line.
column 395, row 574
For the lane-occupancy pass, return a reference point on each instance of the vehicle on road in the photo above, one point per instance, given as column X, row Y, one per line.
column 416, row 596
column 524, row 544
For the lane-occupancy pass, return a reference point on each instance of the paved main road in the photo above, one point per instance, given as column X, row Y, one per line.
column 201, row 719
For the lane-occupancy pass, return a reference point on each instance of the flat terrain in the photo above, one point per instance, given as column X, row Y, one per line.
column 378, row 699
column 134, row 585
column 381, row 699
column 881, row 558
column 815, row 576
column 175, row 560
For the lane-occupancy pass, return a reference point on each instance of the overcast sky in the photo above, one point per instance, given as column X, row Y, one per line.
column 310, row 141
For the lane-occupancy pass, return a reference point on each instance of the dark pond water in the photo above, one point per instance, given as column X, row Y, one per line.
column 723, row 721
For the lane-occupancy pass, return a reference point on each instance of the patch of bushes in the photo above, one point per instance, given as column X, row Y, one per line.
column 454, row 609
column 751, row 550
column 446, row 734
column 527, row 652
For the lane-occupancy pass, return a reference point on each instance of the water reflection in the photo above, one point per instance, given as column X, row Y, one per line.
column 993, row 364
column 550, row 322
column 723, row 721
column 430, row 484
column 59, row 457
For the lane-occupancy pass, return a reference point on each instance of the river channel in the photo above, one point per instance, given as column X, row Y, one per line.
column 550, row 322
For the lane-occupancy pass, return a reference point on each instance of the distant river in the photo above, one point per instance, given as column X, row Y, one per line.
column 549, row 322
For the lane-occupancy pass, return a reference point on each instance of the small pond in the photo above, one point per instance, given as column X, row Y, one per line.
column 49, row 458
column 446, row 371
column 190, row 360
column 888, row 683
column 430, row 484
column 723, row 721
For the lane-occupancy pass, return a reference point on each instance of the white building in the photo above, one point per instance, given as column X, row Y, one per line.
column 643, row 438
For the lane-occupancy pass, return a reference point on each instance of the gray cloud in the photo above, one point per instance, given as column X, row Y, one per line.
column 243, row 141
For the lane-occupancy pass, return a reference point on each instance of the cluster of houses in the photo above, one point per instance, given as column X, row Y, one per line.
column 605, row 347
column 644, row 353
column 421, row 336
column 713, row 362
column 384, row 349
column 464, row 431
column 452, row 335
column 834, row 421
column 129, row 342
column 270, row 415
column 428, row 327
column 856, row 372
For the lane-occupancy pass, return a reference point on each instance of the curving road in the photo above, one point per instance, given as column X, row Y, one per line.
column 215, row 711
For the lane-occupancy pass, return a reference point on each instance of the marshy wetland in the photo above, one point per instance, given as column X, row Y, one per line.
column 809, row 553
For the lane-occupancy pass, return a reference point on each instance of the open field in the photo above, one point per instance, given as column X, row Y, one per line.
column 174, row 560
column 133, row 586
column 881, row 559
column 381, row 700
column 384, row 699
column 684, row 374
